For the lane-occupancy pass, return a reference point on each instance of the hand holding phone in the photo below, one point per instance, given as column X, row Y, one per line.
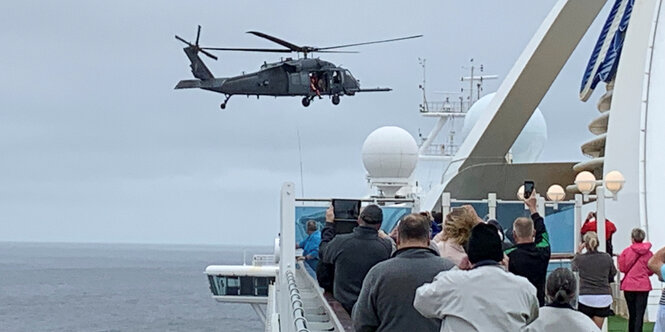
column 529, row 186
column 345, row 214
column 346, row 209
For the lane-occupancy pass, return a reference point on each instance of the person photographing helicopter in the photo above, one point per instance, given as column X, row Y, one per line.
column 530, row 256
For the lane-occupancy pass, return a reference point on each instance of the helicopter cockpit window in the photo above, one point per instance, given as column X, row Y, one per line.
column 348, row 75
column 337, row 77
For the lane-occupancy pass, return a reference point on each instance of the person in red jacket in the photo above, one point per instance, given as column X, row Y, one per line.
column 590, row 226
column 635, row 284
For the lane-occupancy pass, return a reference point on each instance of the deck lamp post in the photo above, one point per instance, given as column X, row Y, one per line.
column 520, row 193
column 586, row 182
column 614, row 181
column 555, row 193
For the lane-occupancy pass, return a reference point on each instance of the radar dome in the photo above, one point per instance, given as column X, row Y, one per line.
column 390, row 152
column 529, row 144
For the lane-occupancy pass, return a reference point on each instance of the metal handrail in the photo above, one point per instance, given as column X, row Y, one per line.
column 367, row 200
column 299, row 320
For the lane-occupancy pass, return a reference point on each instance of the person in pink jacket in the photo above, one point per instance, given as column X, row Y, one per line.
column 635, row 283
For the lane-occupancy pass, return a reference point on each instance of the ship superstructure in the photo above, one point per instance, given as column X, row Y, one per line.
column 480, row 169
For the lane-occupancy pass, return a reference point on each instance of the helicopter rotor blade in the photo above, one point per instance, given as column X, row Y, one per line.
column 292, row 47
column 269, row 50
column 365, row 43
column 336, row 51
column 208, row 54
column 182, row 40
column 196, row 45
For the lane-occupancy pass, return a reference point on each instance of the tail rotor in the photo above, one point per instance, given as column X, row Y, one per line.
column 196, row 46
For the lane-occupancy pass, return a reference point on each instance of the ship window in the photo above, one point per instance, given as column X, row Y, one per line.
column 261, row 286
column 232, row 286
column 245, row 286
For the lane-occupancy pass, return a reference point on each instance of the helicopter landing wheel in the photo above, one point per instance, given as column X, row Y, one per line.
column 305, row 101
column 335, row 100
column 223, row 104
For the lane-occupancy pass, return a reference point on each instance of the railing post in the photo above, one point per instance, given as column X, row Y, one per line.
column 287, row 228
column 540, row 200
column 578, row 221
column 491, row 205
column 445, row 204
column 287, row 241
column 416, row 205
column 600, row 218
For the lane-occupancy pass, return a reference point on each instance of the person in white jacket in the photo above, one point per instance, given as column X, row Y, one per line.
column 485, row 298
column 558, row 314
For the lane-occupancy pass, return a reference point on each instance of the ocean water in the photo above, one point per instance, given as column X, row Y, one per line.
column 118, row 287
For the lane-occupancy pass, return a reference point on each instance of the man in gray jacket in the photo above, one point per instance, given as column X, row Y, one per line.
column 485, row 298
column 353, row 254
column 386, row 299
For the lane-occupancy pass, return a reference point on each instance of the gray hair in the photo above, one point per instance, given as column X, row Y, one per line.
column 561, row 286
column 638, row 235
column 311, row 226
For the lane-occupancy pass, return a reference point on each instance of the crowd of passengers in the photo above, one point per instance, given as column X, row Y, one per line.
column 461, row 273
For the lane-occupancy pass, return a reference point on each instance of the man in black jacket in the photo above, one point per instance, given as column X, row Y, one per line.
column 353, row 254
column 386, row 299
column 531, row 254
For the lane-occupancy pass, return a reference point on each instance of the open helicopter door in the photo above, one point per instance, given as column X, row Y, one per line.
column 337, row 82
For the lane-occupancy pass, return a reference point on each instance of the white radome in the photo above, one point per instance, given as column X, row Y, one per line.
column 531, row 141
column 390, row 152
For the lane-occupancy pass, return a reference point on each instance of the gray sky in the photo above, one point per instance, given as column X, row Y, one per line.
column 96, row 146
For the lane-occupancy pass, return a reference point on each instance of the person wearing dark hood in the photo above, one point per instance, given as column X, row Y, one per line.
column 635, row 283
column 386, row 299
column 485, row 298
column 353, row 254
column 505, row 242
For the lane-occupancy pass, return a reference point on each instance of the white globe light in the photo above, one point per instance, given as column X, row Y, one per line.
column 585, row 182
column 520, row 193
column 390, row 152
column 555, row 193
column 614, row 181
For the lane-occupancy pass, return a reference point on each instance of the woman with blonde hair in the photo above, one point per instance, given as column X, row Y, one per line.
column 455, row 234
column 596, row 270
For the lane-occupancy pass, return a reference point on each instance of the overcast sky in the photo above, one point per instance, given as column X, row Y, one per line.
column 96, row 146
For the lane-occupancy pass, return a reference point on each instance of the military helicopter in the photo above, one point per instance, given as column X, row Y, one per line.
column 306, row 77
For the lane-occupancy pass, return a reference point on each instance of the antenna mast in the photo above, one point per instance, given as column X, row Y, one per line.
column 479, row 79
column 423, row 107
